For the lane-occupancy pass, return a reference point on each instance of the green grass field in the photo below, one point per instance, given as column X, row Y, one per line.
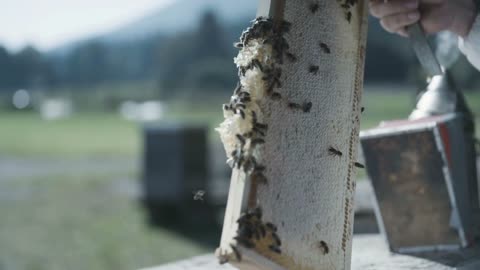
column 86, row 134
column 106, row 134
column 79, row 222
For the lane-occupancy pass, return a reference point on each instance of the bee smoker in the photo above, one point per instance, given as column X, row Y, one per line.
column 442, row 97
column 423, row 171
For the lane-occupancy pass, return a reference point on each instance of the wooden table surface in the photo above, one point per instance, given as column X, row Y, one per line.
column 370, row 252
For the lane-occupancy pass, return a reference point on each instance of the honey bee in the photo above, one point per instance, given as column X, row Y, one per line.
column 272, row 77
column 260, row 168
column 276, row 96
column 258, row 127
column 257, row 212
column 333, row 151
column 242, row 113
column 198, row 195
column 307, row 106
column 243, row 218
column 245, row 99
column 239, row 161
column 293, row 105
column 241, row 139
column 259, row 131
column 271, row 227
column 291, row 57
column 359, row 165
column 275, row 249
column 243, row 94
column 314, row 7
column 277, row 240
column 280, row 46
column 244, row 230
column 261, row 126
column 222, row 259
column 255, row 63
column 245, row 242
column 324, row 47
column 241, row 105
column 284, row 27
column 254, row 117
column 349, row 16
column 257, row 141
column 237, row 157
column 313, row 69
column 323, row 247
column 249, row 164
column 227, row 107
column 237, row 253
column 238, row 45
column 263, row 233
column 259, row 177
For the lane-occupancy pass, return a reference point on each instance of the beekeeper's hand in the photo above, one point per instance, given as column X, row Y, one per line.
column 434, row 15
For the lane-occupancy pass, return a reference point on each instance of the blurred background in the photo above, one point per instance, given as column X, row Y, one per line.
column 108, row 158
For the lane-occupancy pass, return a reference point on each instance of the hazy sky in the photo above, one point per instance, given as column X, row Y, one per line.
column 49, row 23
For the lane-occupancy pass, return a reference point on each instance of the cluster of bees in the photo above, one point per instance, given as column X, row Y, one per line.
column 243, row 158
column 271, row 33
column 347, row 5
column 252, row 230
column 239, row 101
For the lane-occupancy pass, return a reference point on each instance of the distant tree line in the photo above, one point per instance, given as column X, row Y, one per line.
column 199, row 59
column 25, row 68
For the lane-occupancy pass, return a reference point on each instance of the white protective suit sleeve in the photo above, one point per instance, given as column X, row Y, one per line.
column 470, row 46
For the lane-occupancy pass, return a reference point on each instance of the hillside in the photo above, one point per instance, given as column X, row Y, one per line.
column 183, row 15
column 180, row 16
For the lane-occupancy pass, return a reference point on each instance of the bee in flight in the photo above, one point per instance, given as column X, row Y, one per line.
column 198, row 195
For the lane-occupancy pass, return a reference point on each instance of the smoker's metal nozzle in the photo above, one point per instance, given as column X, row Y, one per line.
column 440, row 97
